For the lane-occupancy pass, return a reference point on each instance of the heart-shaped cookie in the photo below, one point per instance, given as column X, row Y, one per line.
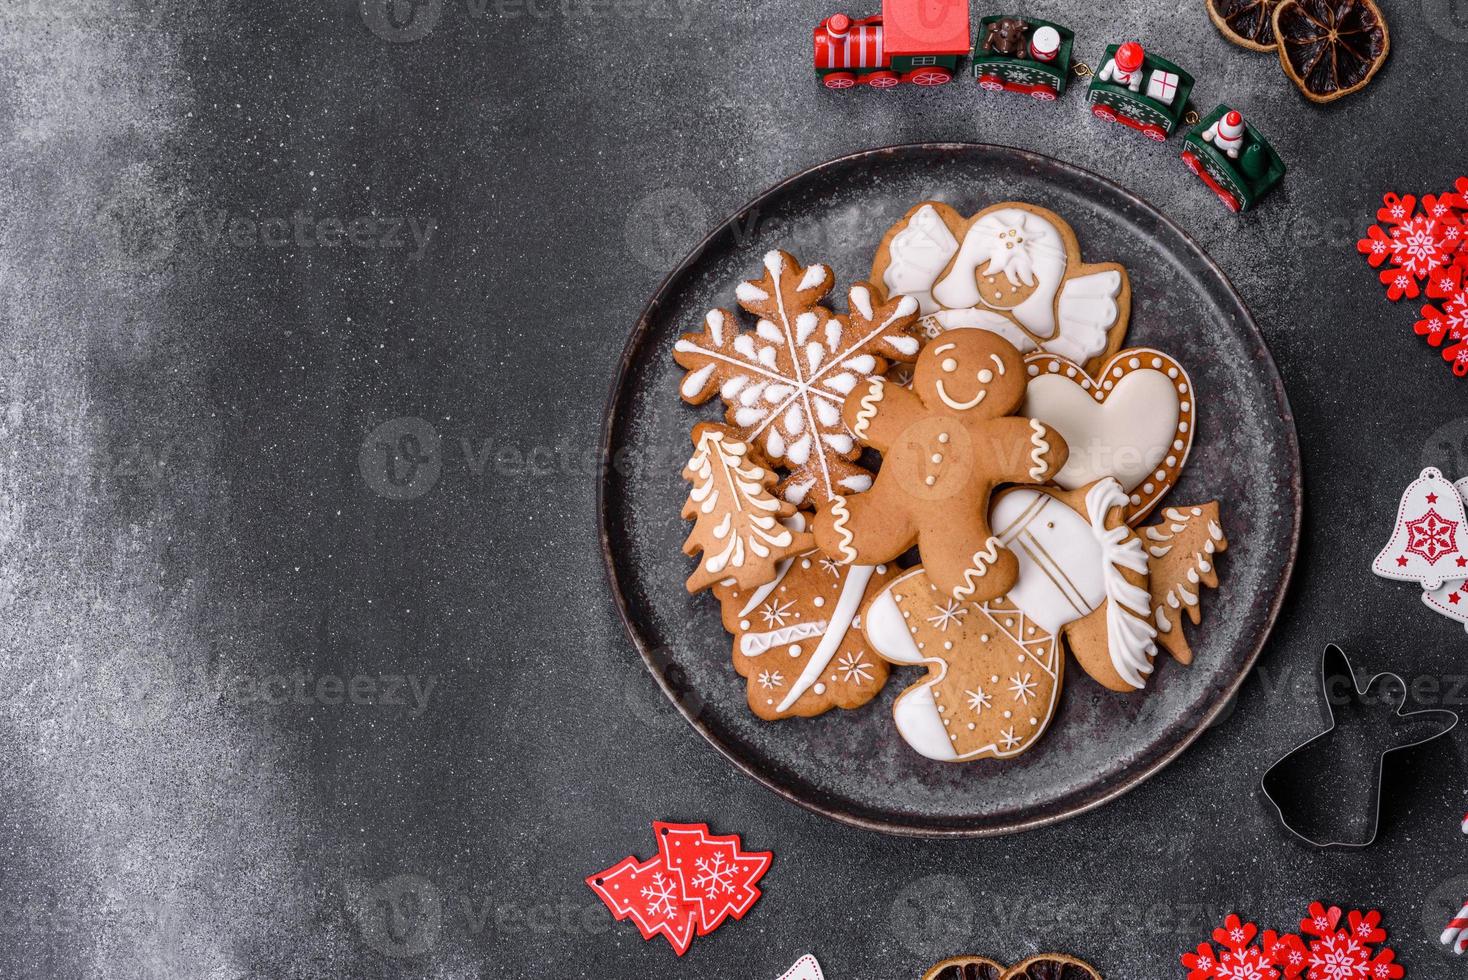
column 1046, row 966
column 1134, row 421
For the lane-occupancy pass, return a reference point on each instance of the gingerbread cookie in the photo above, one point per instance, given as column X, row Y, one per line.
column 795, row 637
column 994, row 674
column 737, row 525
column 1014, row 269
column 945, row 444
column 1182, row 556
column 784, row 382
column 995, row 668
column 1135, row 421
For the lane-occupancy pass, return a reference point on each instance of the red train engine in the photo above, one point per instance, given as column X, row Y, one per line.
column 917, row 41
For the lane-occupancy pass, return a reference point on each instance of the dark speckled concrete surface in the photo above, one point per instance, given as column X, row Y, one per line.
column 272, row 710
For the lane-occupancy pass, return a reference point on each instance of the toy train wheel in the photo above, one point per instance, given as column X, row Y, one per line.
column 1229, row 201
column 840, row 79
column 1103, row 112
column 882, row 79
column 1155, row 133
column 1192, row 161
column 928, row 76
column 1042, row 95
column 990, row 83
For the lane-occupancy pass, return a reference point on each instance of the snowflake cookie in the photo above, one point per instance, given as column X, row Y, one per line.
column 784, row 381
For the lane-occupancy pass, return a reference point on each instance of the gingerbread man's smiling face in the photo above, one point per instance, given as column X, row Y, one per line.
column 973, row 372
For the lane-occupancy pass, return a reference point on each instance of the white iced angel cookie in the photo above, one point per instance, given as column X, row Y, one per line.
column 995, row 669
column 1134, row 421
column 1014, row 269
column 1429, row 541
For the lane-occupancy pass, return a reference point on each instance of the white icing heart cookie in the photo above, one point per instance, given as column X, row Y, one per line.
column 1134, row 421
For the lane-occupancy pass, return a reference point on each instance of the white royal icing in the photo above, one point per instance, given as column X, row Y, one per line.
column 917, row 254
column 1130, row 634
column 1026, row 248
column 1061, row 575
column 852, row 590
column 1126, row 436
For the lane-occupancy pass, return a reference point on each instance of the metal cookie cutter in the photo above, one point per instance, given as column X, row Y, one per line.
column 1328, row 791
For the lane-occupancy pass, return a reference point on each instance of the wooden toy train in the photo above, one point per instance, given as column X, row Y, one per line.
column 921, row 42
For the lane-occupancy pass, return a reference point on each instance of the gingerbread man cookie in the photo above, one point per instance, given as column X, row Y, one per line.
column 945, row 444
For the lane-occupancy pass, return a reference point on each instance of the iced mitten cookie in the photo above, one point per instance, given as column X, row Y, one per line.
column 945, row 445
column 796, row 641
column 993, row 673
column 1014, row 269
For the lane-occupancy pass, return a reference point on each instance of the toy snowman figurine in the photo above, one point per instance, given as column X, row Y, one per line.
column 1045, row 44
column 1126, row 67
column 1227, row 133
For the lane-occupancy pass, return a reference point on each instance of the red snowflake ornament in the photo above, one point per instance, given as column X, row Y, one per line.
column 1422, row 247
column 1240, row 959
column 1447, row 328
column 1347, row 953
column 1340, row 946
column 1413, row 247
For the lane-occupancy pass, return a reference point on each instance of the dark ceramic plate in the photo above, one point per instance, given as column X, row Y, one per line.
column 852, row 765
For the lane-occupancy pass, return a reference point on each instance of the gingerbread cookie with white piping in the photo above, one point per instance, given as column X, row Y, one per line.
column 1014, row 269
column 738, row 532
column 946, row 444
column 796, row 639
column 1182, row 560
column 1135, row 420
column 996, row 668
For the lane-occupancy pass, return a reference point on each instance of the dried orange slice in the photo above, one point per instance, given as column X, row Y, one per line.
column 1247, row 23
column 1330, row 48
column 966, row 968
column 1052, row 966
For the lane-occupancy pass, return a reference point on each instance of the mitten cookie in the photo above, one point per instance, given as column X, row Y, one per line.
column 737, row 520
column 945, row 444
column 1014, row 269
column 795, row 638
column 994, row 674
column 784, row 382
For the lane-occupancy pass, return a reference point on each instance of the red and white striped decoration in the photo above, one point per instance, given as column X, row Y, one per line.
column 859, row 47
column 1456, row 934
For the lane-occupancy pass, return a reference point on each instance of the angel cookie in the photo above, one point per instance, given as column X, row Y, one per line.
column 796, row 642
column 995, row 669
column 1014, row 269
column 945, row 444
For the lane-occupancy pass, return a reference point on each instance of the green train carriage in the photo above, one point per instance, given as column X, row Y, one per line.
column 1041, row 73
column 1157, row 109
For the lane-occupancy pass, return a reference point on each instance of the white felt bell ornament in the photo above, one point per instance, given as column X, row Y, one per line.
column 1429, row 542
column 1450, row 599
